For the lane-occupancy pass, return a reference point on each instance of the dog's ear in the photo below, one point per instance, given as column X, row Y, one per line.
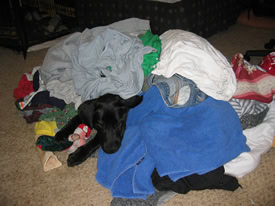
column 132, row 101
column 86, row 112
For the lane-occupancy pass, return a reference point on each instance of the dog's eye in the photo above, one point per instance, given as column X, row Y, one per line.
column 100, row 124
column 120, row 124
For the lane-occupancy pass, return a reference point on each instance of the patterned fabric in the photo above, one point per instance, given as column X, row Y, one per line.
column 246, row 106
column 62, row 117
column 252, row 81
column 32, row 114
column 268, row 63
column 249, row 120
column 250, row 112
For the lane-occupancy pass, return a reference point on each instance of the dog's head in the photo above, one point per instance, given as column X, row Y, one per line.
column 108, row 115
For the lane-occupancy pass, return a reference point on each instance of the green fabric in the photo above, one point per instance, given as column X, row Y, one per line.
column 48, row 143
column 150, row 60
column 62, row 117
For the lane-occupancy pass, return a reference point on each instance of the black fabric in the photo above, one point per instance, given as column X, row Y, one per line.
column 215, row 179
column 36, row 83
column 48, row 143
column 44, row 97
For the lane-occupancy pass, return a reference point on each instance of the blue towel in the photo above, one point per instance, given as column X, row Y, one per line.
column 177, row 142
column 117, row 171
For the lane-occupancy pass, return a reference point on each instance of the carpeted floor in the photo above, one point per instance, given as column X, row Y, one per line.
column 23, row 182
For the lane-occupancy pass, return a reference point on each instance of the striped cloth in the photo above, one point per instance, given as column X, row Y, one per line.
column 246, row 106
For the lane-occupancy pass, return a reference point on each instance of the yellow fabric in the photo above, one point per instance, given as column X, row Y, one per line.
column 45, row 128
column 273, row 145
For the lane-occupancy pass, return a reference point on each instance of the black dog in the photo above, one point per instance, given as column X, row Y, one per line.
column 107, row 114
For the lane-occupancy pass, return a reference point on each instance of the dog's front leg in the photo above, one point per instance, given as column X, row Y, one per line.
column 68, row 129
column 83, row 152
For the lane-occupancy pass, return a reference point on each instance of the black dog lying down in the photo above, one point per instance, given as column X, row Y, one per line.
column 107, row 114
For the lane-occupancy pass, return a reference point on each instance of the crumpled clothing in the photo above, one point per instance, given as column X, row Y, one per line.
column 150, row 60
column 109, row 64
column 61, row 116
column 32, row 114
column 177, row 91
column 247, row 106
column 25, row 85
column 57, row 64
column 193, row 57
column 253, row 82
column 259, row 140
column 24, row 88
column 250, row 112
column 250, row 120
column 45, row 128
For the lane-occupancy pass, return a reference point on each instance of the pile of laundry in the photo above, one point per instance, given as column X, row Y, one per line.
column 202, row 121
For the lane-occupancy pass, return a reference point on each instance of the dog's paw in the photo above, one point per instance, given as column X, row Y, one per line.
column 75, row 158
column 82, row 153
column 60, row 137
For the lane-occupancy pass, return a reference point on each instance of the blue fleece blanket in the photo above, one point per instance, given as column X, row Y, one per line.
column 177, row 142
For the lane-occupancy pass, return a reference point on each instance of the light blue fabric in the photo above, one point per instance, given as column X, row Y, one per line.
column 56, row 70
column 112, row 63
column 176, row 141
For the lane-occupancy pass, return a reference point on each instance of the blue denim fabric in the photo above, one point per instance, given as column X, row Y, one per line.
column 170, row 89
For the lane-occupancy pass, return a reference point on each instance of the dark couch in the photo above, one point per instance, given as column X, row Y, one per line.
column 203, row 17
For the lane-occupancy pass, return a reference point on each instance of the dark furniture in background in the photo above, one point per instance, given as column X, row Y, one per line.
column 24, row 23
column 269, row 47
column 262, row 8
column 10, row 34
column 29, row 22
column 203, row 17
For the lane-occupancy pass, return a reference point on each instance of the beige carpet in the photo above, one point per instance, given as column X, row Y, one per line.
column 23, row 182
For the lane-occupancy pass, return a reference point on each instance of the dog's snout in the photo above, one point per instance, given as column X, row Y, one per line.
column 110, row 151
column 111, row 148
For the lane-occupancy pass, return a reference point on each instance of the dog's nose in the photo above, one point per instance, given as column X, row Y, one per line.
column 110, row 149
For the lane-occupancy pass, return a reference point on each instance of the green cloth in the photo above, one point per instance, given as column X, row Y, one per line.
column 62, row 117
column 150, row 60
column 48, row 143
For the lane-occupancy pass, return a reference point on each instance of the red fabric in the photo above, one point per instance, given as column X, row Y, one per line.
column 245, row 72
column 24, row 88
column 268, row 63
column 252, row 83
